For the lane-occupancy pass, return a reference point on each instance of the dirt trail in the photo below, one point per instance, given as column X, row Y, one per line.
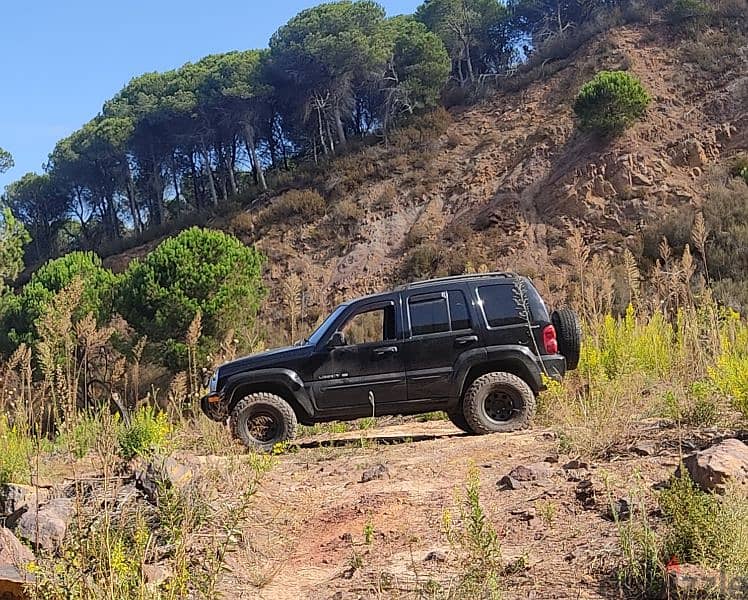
column 306, row 537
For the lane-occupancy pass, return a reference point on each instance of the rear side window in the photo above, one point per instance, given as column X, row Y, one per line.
column 500, row 305
column 458, row 311
column 429, row 315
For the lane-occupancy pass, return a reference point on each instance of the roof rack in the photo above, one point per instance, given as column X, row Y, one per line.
column 425, row 282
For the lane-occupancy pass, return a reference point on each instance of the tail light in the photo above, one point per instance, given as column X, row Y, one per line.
column 550, row 342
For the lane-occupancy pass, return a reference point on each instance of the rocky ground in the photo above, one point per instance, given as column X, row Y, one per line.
column 363, row 514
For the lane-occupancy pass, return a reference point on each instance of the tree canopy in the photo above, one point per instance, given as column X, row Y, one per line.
column 193, row 137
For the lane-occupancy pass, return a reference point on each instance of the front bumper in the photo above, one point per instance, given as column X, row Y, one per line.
column 214, row 407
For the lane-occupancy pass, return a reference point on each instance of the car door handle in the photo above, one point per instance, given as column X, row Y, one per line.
column 385, row 350
column 466, row 339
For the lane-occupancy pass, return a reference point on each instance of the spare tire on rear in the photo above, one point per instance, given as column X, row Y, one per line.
column 569, row 335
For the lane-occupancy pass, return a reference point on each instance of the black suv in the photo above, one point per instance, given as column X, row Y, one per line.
column 475, row 346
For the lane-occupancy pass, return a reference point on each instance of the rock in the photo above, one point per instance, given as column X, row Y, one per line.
column 691, row 581
column 45, row 528
column 15, row 498
column 585, row 493
column 527, row 514
column 620, row 510
column 436, row 556
column 162, row 472
column 713, row 468
column 155, row 575
column 575, row 464
column 12, row 551
column 13, row 582
column 510, row 483
column 377, row 472
column 644, row 448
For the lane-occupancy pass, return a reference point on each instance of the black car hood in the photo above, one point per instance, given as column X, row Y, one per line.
column 265, row 360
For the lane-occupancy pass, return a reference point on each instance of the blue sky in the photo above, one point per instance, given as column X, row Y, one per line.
column 60, row 60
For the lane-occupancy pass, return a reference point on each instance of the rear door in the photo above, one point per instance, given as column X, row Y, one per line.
column 439, row 329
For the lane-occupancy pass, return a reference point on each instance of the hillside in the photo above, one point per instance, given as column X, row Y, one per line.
column 510, row 178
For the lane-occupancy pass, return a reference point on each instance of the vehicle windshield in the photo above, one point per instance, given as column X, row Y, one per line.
column 318, row 333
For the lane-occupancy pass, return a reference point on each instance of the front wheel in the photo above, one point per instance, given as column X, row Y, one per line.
column 498, row 402
column 262, row 420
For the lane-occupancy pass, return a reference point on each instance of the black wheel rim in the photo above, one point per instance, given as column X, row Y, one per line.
column 263, row 426
column 501, row 405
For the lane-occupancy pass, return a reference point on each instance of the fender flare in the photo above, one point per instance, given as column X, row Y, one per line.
column 519, row 359
column 286, row 379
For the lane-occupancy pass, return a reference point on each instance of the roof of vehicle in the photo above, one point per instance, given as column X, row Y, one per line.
column 456, row 279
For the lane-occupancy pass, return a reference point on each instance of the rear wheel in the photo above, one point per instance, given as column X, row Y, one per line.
column 263, row 420
column 569, row 334
column 458, row 419
column 498, row 402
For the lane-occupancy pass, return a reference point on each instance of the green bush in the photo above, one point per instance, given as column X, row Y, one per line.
column 24, row 310
column 16, row 450
column 681, row 12
column 198, row 270
column 611, row 102
column 740, row 167
column 147, row 433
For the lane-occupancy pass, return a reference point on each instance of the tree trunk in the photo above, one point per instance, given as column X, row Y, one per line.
column 195, row 188
column 209, row 172
column 137, row 219
column 469, row 61
column 339, row 126
column 249, row 140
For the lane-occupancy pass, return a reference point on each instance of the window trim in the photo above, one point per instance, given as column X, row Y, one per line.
column 382, row 304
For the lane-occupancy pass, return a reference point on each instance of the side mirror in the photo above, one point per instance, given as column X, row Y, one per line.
column 337, row 340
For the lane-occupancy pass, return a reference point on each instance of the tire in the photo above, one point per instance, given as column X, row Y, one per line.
column 262, row 420
column 569, row 335
column 458, row 419
column 498, row 402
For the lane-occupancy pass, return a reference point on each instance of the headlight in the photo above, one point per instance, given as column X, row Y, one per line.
column 213, row 383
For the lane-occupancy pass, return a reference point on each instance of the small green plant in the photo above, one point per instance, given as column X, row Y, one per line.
column 147, row 433
column 16, row 449
column 79, row 438
column 368, row 532
column 611, row 102
column 476, row 544
column 740, row 167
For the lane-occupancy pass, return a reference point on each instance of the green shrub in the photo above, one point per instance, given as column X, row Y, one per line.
column 740, row 167
column 16, row 449
column 198, row 270
column 147, row 433
column 681, row 12
column 611, row 102
column 704, row 528
column 96, row 297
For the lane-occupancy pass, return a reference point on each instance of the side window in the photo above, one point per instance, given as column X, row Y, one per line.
column 428, row 315
column 458, row 311
column 371, row 326
column 500, row 305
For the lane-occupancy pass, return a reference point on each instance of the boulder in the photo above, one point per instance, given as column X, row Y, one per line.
column 162, row 472
column 13, row 582
column 692, row 581
column 45, row 527
column 715, row 467
column 12, row 551
column 15, row 498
